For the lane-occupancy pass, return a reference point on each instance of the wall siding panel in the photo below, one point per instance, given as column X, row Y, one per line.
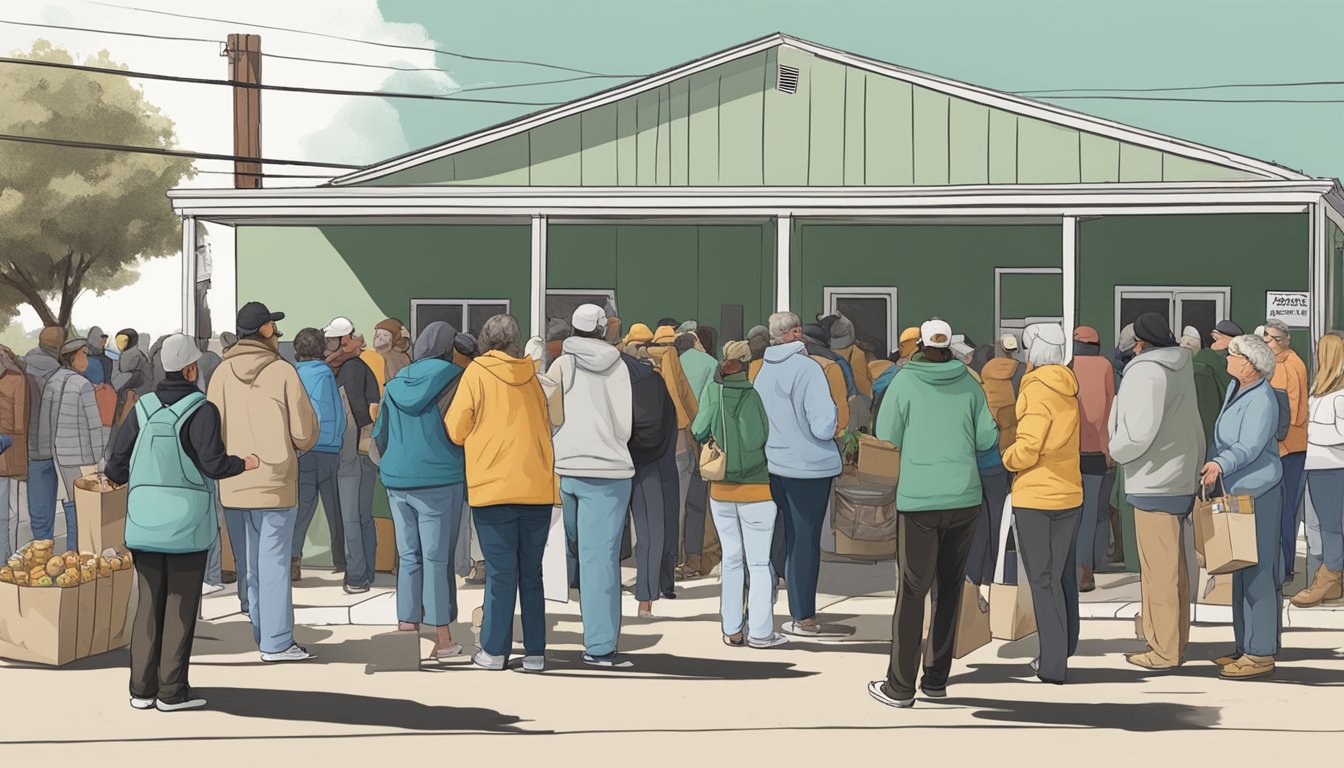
column 930, row 138
column 888, row 133
column 968, row 150
column 827, row 117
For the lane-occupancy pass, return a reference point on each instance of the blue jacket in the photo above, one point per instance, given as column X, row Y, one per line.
column 1244, row 443
column 320, row 384
column 802, row 416
column 413, row 443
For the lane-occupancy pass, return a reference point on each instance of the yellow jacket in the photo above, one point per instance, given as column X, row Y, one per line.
column 499, row 417
column 668, row 363
column 1045, row 452
column 1290, row 375
column 835, row 380
column 858, row 360
column 878, row 367
column 377, row 364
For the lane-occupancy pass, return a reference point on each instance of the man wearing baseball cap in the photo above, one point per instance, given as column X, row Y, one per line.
column 937, row 414
column 354, row 538
column 265, row 411
column 170, row 521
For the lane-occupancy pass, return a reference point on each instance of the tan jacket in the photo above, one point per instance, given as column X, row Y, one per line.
column 1290, row 375
column 265, row 411
column 14, row 415
column 858, row 361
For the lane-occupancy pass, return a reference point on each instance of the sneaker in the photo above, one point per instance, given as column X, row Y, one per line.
column 800, row 629
column 875, row 690
column 773, row 641
column 736, row 641
column 142, row 703
column 191, row 702
column 486, row 661
column 353, row 590
column 534, row 663
column 295, row 652
column 610, row 661
column 447, row 653
column 1035, row 665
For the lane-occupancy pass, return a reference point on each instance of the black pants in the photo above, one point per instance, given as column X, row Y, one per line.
column 646, row 507
column 697, row 507
column 671, row 490
column 933, row 547
column 165, row 623
column 1049, row 540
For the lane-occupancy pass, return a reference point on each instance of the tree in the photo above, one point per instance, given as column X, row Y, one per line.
column 74, row 220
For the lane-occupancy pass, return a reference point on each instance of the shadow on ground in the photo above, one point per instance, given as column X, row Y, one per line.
column 352, row 710
column 1141, row 718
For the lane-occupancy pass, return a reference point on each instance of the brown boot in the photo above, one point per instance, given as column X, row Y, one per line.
column 1328, row 585
column 295, row 569
column 1088, row 582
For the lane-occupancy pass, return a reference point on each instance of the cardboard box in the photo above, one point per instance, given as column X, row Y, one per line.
column 879, row 462
column 385, row 560
column 863, row 517
column 42, row 624
column 1225, row 532
column 102, row 616
column 101, row 515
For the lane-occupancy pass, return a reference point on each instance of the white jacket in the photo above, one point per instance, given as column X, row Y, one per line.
column 1325, row 431
column 594, row 440
column 1156, row 434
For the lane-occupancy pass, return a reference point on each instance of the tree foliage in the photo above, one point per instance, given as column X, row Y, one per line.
column 76, row 220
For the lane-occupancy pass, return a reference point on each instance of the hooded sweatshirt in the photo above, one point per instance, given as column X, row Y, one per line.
column 668, row 364
column 1045, row 453
column 40, row 363
column 1002, row 381
column 802, row 416
column 13, row 415
column 499, row 416
column 699, row 367
column 734, row 416
column 599, row 411
column 265, row 411
column 413, row 444
column 937, row 415
column 132, row 369
column 1155, row 431
column 1096, row 394
column 653, row 429
column 323, row 393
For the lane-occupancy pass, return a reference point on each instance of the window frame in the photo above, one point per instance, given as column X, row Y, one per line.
column 466, row 305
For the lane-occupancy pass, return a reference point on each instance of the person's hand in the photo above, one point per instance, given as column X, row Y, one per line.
column 251, row 462
column 1209, row 475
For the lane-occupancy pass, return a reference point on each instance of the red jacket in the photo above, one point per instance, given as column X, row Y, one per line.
column 1096, row 393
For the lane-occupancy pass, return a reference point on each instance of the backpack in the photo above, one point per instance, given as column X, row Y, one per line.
column 1001, row 398
column 170, row 504
column 106, row 398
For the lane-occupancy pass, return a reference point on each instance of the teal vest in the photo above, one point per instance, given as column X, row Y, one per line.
column 171, row 505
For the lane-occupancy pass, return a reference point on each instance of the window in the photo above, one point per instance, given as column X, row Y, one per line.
column 873, row 312
column 562, row 303
column 1025, row 296
column 463, row 314
column 1201, row 308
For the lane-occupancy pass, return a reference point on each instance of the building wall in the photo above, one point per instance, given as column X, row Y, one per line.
column 1334, row 251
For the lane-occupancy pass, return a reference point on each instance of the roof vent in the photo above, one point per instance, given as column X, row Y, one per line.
column 787, row 81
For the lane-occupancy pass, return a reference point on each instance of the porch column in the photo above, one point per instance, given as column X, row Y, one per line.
column 783, row 232
column 1319, row 278
column 538, row 305
column 189, row 276
column 1069, row 271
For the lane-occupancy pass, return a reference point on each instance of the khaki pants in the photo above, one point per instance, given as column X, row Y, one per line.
column 1165, row 584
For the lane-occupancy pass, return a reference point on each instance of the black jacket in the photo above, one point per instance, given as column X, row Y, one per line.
column 201, row 438
column 653, row 430
column 361, row 389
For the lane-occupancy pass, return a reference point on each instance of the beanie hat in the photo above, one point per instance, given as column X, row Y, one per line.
column 841, row 332
column 1126, row 343
column 639, row 334
column 1086, row 334
column 737, row 350
column 1152, row 328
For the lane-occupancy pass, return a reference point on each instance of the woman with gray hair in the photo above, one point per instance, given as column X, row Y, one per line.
column 1048, row 494
column 1245, row 462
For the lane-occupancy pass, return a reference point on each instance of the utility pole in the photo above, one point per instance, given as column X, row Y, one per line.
column 244, row 52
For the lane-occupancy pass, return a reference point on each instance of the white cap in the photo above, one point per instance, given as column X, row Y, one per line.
column 935, row 334
column 1191, row 331
column 178, row 351
column 1044, row 333
column 1009, row 341
column 588, row 318
column 339, row 328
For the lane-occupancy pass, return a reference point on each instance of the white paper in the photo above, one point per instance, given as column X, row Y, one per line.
column 554, row 561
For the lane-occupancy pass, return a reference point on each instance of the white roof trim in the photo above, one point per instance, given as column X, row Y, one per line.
column 979, row 95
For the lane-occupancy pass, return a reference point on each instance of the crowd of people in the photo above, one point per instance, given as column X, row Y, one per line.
column 721, row 458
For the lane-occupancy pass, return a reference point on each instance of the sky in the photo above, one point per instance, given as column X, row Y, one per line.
column 1011, row 45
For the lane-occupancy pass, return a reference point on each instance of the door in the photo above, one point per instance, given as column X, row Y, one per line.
column 871, row 310
column 467, row 315
column 1201, row 308
column 1024, row 296
column 562, row 303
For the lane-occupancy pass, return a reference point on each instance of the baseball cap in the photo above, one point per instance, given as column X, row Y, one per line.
column 178, row 352
column 935, row 334
column 1228, row 328
column 253, row 315
column 588, row 318
column 339, row 328
column 1086, row 334
column 909, row 334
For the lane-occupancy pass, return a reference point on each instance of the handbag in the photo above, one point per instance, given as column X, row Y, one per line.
column 713, row 459
column 1011, row 614
column 1225, row 530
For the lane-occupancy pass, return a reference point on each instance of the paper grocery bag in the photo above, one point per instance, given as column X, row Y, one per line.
column 101, row 512
column 555, row 560
column 102, row 616
column 1225, row 532
column 973, row 631
column 88, row 596
column 879, row 462
column 385, row 559
column 39, row 624
column 119, row 620
column 1011, row 615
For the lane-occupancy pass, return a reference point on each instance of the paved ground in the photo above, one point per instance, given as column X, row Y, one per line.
column 690, row 699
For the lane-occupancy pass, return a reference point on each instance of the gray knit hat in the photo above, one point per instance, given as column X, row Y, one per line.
column 842, row 332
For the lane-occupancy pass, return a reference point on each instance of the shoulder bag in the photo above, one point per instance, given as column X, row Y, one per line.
column 713, row 459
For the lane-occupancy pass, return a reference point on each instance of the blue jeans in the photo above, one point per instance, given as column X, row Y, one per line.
column 235, row 520
column 42, row 500
column 985, row 543
column 1294, row 485
column 513, row 538
column 317, row 477
column 746, row 531
column 214, row 569
column 426, row 523
column 1095, row 526
column 1257, row 591
column 803, row 502
column 270, row 599
column 595, row 518
column 1326, row 487
column 355, row 481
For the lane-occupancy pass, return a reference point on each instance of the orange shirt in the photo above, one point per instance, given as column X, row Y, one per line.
column 1290, row 375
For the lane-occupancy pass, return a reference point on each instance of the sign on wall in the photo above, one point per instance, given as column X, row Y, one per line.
column 1292, row 307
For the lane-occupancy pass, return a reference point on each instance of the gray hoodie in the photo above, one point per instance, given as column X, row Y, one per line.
column 40, row 363
column 594, row 440
column 1155, row 431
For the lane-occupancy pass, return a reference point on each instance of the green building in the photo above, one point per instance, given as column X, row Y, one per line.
column 784, row 174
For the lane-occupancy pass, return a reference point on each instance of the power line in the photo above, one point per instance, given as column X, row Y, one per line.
column 169, row 152
column 1192, row 100
column 112, row 32
column 392, row 67
column 473, row 89
column 395, row 68
column 399, row 46
column 268, row 87
column 264, row 175
column 1186, row 87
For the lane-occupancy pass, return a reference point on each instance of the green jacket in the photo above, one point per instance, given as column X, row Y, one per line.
column 740, row 430
column 937, row 415
column 1218, row 362
column 1210, row 391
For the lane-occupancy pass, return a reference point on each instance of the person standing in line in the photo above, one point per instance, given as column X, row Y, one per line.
column 40, row 364
column 1245, row 462
column 758, row 338
column 653, row 440
column 1290, row 375
column 1096, row 395
column 132, row 369
column 79, row 437
column 215, row 575
column 1157, row 438
column 592, row 457
column 1325, row 470
column 801, row 453
column 732, row 415
column 355, row 476
column 1048, row 494
column 1215, row 355
column 699, row 540
column 318, row 465
column 99, row 369
column 265, row 412
column 13, row 438
column 170, row 521
column 1208, row 392
column 499, row 416
column 425, row 474
column 937, row 416
column 390, row 351
column 667, row 362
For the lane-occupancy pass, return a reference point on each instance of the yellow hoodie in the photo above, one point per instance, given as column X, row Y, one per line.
column 668, row 363
column 499, row 417
column 1045, row 452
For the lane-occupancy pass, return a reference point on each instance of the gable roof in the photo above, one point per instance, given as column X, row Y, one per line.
column 1229, row 164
